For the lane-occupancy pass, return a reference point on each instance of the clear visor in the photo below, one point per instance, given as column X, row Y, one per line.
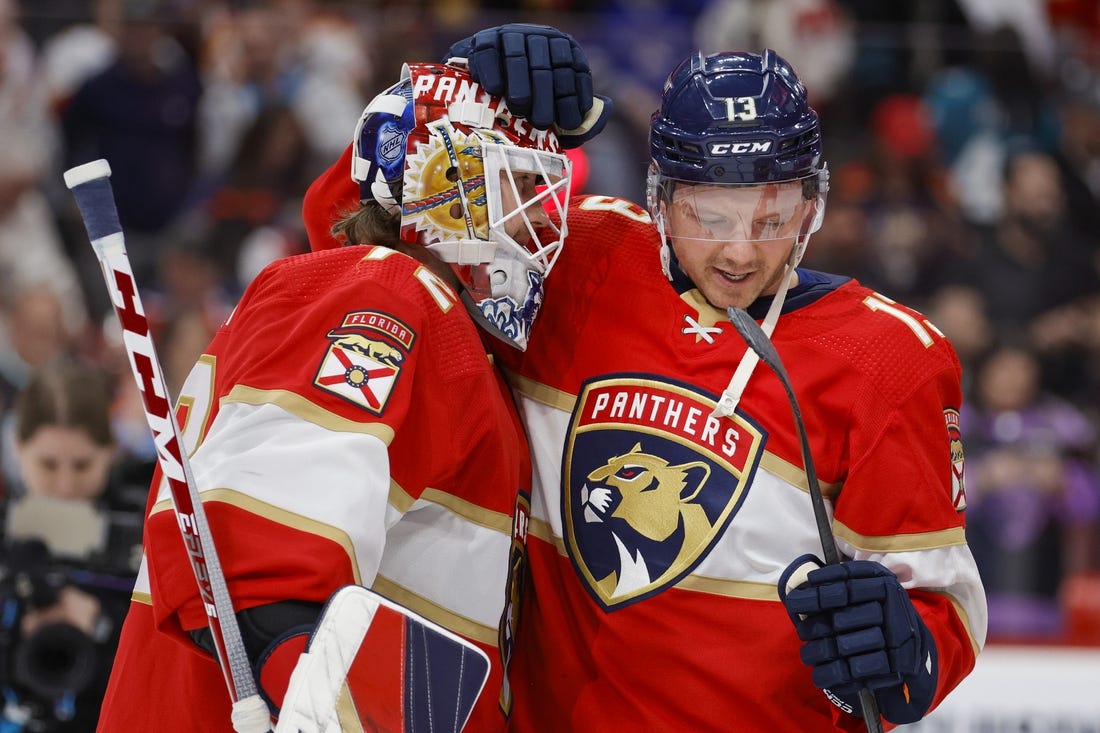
column 743, row 212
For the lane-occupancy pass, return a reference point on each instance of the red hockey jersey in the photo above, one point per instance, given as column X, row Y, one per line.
column 658, row 532
column 345, row 426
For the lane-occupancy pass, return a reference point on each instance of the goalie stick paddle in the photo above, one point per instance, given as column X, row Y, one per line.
column 759, row 342
column 91, row 187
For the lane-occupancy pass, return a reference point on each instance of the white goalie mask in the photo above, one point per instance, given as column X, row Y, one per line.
column 479, row 188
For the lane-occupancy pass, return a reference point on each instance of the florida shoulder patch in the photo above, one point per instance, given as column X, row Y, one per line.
column 363, row 360
column 958, row 462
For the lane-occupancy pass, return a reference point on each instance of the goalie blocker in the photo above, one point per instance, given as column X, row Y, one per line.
column 363, row 663
column 371, row 664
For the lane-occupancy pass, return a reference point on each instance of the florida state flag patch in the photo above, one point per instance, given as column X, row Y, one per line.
column 364, row 357
column 958, row 462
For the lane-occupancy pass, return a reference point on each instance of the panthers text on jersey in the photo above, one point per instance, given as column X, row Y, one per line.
column 658, row 532
column 346, row 425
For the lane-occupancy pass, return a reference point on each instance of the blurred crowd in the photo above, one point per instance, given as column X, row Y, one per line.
column 963, row 139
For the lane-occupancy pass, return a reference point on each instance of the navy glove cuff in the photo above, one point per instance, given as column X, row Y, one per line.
column 904, row 702
column 910, row 701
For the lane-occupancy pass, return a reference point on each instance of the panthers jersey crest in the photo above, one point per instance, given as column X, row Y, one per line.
column 651, row 480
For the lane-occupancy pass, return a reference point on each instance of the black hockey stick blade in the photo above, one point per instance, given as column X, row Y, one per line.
column 759, row 342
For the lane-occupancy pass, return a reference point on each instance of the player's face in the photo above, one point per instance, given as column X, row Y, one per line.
column 733, row 242
column 526, row 188
column 505, row 291
column 733, row 273
column 64, row 462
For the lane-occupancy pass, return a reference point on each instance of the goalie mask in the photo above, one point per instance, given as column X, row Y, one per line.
column 462, row 173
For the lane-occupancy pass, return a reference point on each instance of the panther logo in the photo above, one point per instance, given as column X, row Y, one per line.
column 376, row 350
column 651, row 479
column 652, row 501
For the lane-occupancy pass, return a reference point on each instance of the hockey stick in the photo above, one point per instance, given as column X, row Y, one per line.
column 759, row 342
column 94, row 196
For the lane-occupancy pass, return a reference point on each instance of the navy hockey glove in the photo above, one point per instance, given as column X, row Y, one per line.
column 860, row 629
column 542, row 74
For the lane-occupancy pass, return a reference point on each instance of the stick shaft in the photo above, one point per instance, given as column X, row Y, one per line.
column 92, row 190
column 759, row 342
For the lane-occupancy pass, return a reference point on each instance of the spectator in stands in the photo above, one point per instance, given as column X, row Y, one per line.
column 32, row 333
column 31, row 249
column 1032, row 259
column 140, row 114
column 253, row 214
column 960, row 312
column 1033, row 495
column 1078, row 149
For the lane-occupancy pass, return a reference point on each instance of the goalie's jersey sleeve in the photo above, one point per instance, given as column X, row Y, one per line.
column 346, row 426
column 658, row 532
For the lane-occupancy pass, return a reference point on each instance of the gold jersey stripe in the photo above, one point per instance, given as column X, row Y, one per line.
column 402, row 501
column 965, row 617
column 794, row 475
column 730, row 588
column 541, row 393
column 901, row 542
column 279, row 516
column 469, row 511
column 436, row 613
column 541, row 528
column 300, row 407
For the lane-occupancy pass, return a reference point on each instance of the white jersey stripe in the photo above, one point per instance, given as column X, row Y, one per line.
column 420, row 558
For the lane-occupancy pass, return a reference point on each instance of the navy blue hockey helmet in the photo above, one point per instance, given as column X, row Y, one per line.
column 738, row 122
column 378, row 160
column 735, row 117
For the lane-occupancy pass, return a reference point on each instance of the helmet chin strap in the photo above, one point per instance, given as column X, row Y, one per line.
column 730, row 398
column 464, row 251
column 666, row 248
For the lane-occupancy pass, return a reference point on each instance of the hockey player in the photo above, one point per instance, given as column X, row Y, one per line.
column 672, row 542
column 671, row 528
column 347, row 425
